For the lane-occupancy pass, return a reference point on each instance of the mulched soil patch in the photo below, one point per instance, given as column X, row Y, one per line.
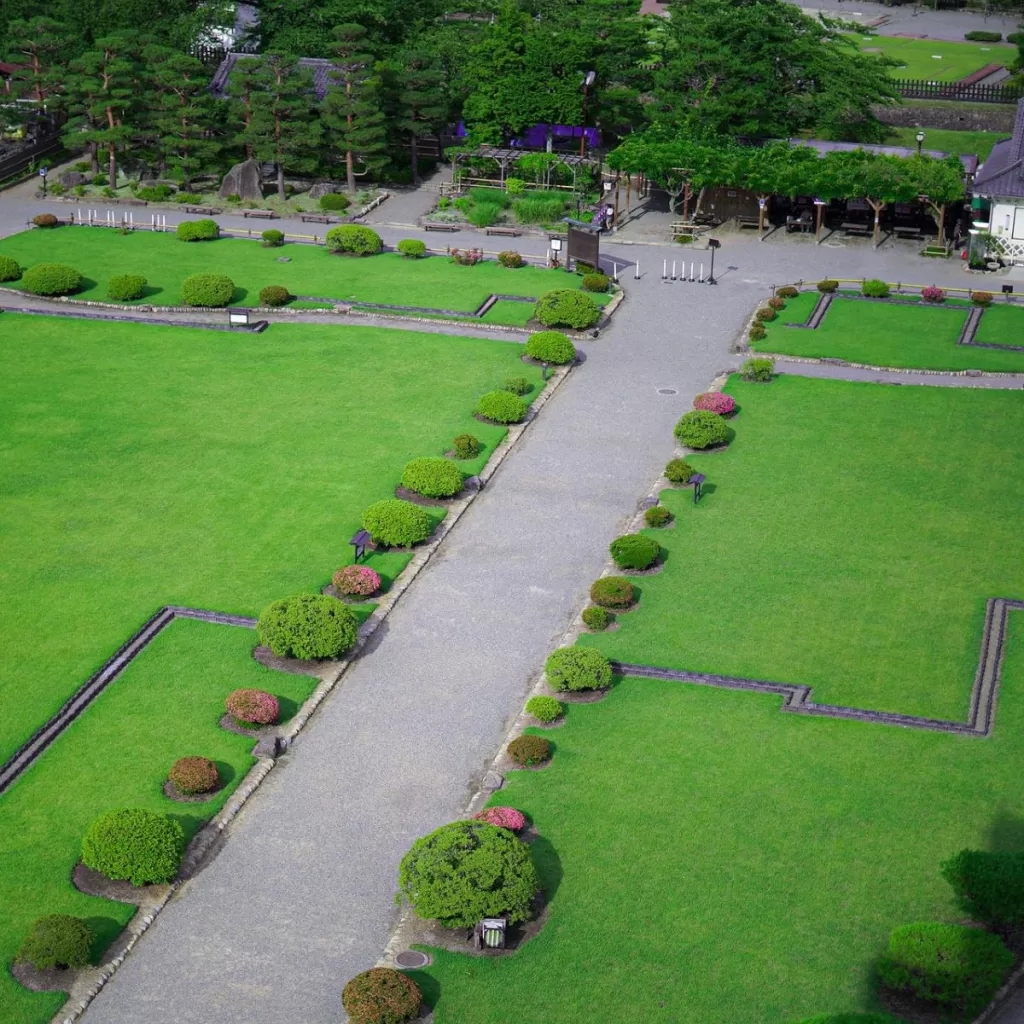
column 332, row 591
column 54, row 980
column 581, row 696
column 172, row 793
column 229, row 723
column 659, row 564
column 294, row 666
column 494, row 423
column 556, row 724
column 421, row 499
column 610, row 628
column 516, row 767
column 537, row 362
column 95, row 884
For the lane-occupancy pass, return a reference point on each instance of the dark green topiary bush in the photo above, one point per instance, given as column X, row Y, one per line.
column 551, row 347
column 517, row 385
column 51, row 279
column 334, row 202
column 355, row 239
column 381, row 995
column 308, row 626
column 529, row 750
column 578, row 668
column 56, row 940
column 657, row 516
column 272, row 238
column 9, row 269
column 396, row 523
column 198, row 230
column 948, row 964
column 544, row 709
column 597, row 618
column 759, row 369
column 214, row 290
column 134, row 844
column 126, row 287
column 432, row 477
column 980, row 36
column 412, row 248
column 988, row 886
column 827, row 285
column 566, row 307
column 612, row 592
column 875, row 289
column 275, row 295
column 595, row 282
column 501, row 407
column 678, row 471
column 701, row 429
column 466, row 446
column 463, row 872
column 634, row 551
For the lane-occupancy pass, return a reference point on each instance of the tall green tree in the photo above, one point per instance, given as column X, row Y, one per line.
column 422, row 101
column 41, row 46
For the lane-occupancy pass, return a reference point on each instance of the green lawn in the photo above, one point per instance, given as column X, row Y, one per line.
column 918, row 336
column 165, row 706
column 434, row 282
column 145, row 466
column 934, row 59
column 850, row 540
column 955, row 143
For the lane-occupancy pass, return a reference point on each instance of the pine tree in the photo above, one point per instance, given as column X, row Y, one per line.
column 422, row 102
column 40, row 46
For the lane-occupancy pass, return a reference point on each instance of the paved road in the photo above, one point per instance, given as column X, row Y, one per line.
column 915, row 20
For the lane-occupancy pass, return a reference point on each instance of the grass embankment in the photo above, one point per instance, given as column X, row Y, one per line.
column 935, row 60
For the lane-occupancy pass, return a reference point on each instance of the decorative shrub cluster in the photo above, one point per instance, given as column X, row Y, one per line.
column 787, row 291
column 634, row 551
column 354, row 238
column 578, row 668
column 776, row 302
column 381, row 995
column 252, row 707
column 760, row 370
column 875, row 289
column 466, row 871
column 657, row 516
column 566, row 307
column 432, row 477
column 715, row 401
column 980, row 36
column 467, row 257
column 56, row 940
column 198, row 230
column 517, row 385
column 333, row 201
column 613, row 592
column 191, row 775
column 595, row 282
column 551, row 347
column 529, row 750
column 982, row 298
column 134, row 844
column 933, row 294
column 948, row 964
column 501, row 407
column 308, row 626
column 757, row 332
column 511, row 259
column 396, row 523
column 766, row 314
column 828, row 285
column 125, row 287
column 701, row 429
column 503, row 817
column 45, row 220
column 596, row 618
column 275, row 295
column 466, row 446
column 678, row 471
column 356, row 581
column 214, row 290
column 9, row 269
column 544, row 709
column 51, row 279
column 988, row 886
column 413, row 248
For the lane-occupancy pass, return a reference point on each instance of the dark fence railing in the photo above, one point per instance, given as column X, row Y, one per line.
column 21, row 160
column 921, row 89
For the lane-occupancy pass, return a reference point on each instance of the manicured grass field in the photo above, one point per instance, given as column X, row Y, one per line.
column 955, row 143
column 849, row 542
column 935, row 59
column 165, row 261
column 166, row 705
column 879, row 334
column 146, row 466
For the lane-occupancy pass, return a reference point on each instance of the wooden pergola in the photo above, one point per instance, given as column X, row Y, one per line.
column 506, row 157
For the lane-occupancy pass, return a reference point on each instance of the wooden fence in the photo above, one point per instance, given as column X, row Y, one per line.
column 23, row 159
column 921, row 89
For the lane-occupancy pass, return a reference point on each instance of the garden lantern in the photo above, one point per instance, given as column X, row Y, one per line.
column 920, row 139
column 713, row 244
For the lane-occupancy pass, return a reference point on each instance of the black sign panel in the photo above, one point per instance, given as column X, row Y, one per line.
column 584, row 244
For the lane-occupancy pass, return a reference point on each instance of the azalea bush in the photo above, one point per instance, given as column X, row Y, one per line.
column 933, row 294
column 982, row 298
column 502, row 817
column 529, row 750
column 381, row 995
column 716, row 401
column 766, row 314
column 356, row 581
column 252, row 707
column 467, row 257
column 9, row 269
column 191, row 775
column 787, row 291
column 827, row 285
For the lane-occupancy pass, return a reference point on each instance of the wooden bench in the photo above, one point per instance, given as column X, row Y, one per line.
column 507, row 232
column 431, row 226
column 316, row 218
column 200, row 209
column 855, row 228
column 263, row 214
column 907, row 231
column 682, row 227
column 748, row 222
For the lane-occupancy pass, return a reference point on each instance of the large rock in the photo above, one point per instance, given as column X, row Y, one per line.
column 322, row 188
column 243, row 180
column 69, row 179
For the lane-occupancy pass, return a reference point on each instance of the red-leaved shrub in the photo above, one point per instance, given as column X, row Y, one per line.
column 252, row 707
column 356, row 581
column 503, row 817
column 933, row 294
column 715, row 401
column 193, row 775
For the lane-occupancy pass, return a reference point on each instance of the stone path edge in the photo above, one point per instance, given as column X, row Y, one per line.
column 89, row 983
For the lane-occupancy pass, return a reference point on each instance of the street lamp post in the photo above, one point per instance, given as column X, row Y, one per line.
column 920, row 140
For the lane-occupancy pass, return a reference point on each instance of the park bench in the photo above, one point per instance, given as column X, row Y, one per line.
column 801, row 222
column 748, row 222
column 855, row 227
column 433, row 226
column 317, row 218
column 907, row 231
column 264, row 214
column 507, row 232
column 682, row 227
column 201, row 209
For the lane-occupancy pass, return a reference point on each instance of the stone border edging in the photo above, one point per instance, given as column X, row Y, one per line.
column 825, row 361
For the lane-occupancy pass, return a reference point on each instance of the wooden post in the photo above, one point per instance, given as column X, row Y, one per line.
column 629, row 186
column 615, row 222
column 877, row 207
column 819, row 211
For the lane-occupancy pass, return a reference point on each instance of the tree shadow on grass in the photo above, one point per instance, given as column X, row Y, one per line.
column 429, row 986
column 1006, row 833
column 548, row 864
column 149, row 292
column 104, row 931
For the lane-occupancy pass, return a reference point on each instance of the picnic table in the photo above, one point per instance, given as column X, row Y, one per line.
column 262, row 214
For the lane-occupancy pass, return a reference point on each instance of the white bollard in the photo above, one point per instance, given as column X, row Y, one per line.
column 637, row 276
column 664, row 270
column 702, row 273
column 673, row 270
column 615, row 272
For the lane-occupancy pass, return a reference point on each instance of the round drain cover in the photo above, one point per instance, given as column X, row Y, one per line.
column 667, row 391
column 412, row 958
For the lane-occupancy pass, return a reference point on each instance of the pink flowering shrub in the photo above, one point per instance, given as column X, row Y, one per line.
column 356, row 580
column 933, row 294
column 503, row 817
column 715, row 401
column 252, row 707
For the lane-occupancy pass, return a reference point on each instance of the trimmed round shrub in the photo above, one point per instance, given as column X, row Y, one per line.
column 517, row 385
column 134, row 844
column 501, row 407
column 503, row 817
column 191, row 775
column 776, row 303
column 551, row 347
column 333, row 202
column 381, row 995
column 396, row 523
column 595, row 282
column 757, row 332
column 511, row 260
column 948, row 964
column 988, row 886
column 275, row 295
column 198, row 230
column 982, row 298
column 596, row 618
column 578, row 668
column 715, row 401
column 759, row 369
column 356, row 581
column 678, row 471
column 566, row 307
column 1016, row 38
column 701, row 429
column 272, row 238
column 57, row 940
column 432, row 477
column 827, row 285
column 213, row 290
column 875, row 289
column 466, row 446
column 354, row 238
column 529, row 750
column 613, row 592
column 51, row 279
column 634, row 551
column 9, row 269
column 45, row 220
column 252, row 707
column 766, row 314
column 466, row 871
column 933, row 294
column 413, row 248
column 981, row 36
column 125, row 287
column 657, row 516
column 787, row 291
column 308, row 626
column 544, row 709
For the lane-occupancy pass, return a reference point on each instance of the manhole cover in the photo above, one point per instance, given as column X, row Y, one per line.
column 412, row 958
column 667, row 391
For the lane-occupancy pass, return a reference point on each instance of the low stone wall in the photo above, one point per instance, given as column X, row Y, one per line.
column 989, row 117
